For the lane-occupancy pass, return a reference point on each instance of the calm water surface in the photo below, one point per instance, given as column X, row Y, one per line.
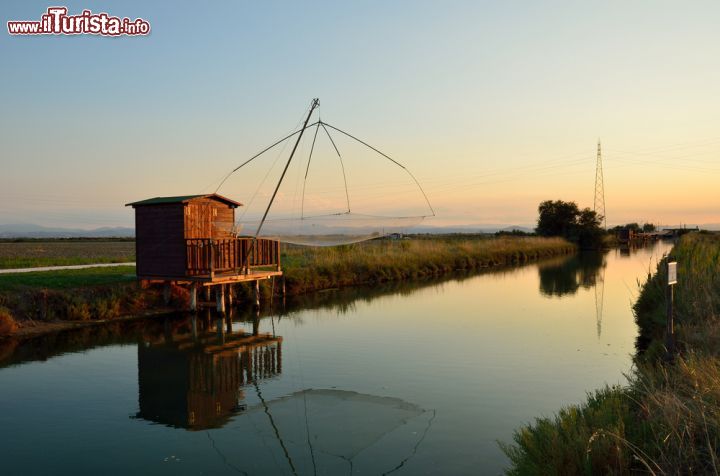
column 411, row 379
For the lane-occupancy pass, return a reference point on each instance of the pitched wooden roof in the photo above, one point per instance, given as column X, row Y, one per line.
column 183, row 199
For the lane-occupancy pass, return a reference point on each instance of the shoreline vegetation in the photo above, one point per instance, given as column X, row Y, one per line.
column 667, row 419
column 38, row 302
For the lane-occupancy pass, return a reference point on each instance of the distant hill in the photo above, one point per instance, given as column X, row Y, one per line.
column 523, row 229
column 703, row 226
column 492, row 228
column 28, row 230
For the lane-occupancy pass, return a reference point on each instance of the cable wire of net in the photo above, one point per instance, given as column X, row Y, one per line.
column 336, row 189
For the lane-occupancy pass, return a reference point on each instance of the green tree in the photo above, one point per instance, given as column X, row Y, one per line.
column 589, row 230
column 648, row 228
column 559, row 218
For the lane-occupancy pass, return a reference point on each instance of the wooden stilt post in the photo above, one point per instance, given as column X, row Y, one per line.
column 220, row 298
column 208, row 295
column 193, row 297
column 228, row 320
column 219, row 328
column 257, row 293
column 279, row 357
column 230, row 294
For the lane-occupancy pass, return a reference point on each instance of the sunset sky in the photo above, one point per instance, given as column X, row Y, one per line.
column 494, row 106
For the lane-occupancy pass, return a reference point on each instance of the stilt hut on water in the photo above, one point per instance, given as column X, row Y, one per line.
column 191, row 239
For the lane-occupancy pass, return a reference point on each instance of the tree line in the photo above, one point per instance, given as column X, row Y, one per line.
column 566, row 219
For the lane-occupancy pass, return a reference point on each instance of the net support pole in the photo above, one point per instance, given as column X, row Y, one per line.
column 315, row 103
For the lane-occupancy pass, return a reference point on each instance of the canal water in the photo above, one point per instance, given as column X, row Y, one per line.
column 422, row 378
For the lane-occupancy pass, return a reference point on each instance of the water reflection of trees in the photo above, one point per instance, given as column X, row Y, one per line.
column 566, row 276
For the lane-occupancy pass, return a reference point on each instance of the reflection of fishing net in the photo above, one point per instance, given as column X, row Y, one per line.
column 343, row 427
column 331, row 189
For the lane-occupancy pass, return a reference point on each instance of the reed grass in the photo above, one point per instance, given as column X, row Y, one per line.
column 309, row 269
column 80, row 304
column 667, row 420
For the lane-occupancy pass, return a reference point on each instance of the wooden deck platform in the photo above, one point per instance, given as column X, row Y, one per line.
column 227, row 277
column 217, row 265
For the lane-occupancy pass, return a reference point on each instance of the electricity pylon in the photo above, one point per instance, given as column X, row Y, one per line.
column 599, row 202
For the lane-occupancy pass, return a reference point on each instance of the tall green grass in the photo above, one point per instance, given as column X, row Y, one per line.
column 667, row 420
column 697, row 298
column 67, row 278
column 308, row 269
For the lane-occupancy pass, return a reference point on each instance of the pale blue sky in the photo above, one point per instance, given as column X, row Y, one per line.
column 494, row 106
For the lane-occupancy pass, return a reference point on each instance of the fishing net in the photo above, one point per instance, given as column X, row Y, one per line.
column 373, row 434
column 330, row 230
column 328, row 188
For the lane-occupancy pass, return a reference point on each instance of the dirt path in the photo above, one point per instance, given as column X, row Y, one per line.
column 58, row 268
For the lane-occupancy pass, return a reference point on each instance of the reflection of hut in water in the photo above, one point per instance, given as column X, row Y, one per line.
column 196, row 383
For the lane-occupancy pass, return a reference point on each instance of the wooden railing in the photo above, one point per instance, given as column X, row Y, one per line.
column 206, row 256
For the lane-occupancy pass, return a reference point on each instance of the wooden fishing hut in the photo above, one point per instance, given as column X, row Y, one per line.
column 191, row 240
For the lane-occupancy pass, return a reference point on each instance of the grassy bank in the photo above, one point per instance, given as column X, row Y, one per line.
column 667, row 420
column 67, row 278
column 310, row 269
column 104, row 293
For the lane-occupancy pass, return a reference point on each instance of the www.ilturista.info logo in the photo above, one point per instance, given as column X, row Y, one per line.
column 57, row 22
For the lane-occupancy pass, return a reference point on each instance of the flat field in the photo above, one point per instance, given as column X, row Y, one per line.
column 67, row 278
column 33, row 254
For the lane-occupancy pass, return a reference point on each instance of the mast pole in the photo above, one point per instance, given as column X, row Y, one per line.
column 315, row 103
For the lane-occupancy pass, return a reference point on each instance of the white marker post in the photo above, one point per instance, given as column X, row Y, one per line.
column 670, row 331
